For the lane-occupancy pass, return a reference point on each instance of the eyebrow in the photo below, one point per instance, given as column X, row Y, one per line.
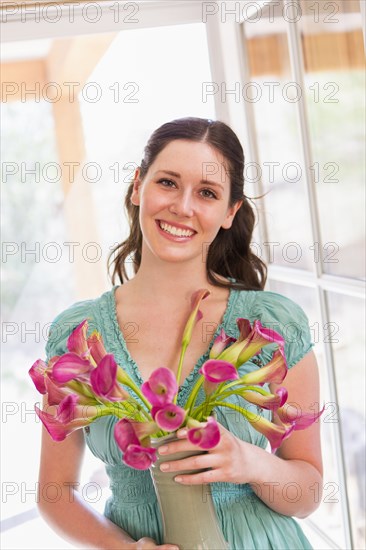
column 175, row 174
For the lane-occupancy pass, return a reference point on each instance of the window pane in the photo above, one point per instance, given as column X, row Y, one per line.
column 328, row 517
column 334, row 60
column 273, row 96
column 349, row 356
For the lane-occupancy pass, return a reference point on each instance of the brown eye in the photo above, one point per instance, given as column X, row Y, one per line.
column 211, row 194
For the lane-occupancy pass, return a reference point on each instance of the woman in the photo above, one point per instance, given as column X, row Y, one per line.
column 191, row 228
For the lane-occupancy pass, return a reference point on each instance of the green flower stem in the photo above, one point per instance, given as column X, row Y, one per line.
column 225, row 394
column 124, row 379
column 247, row 414
column 193, row 395
column 180, row 364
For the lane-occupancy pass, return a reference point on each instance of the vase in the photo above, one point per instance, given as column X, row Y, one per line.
column 187, row 511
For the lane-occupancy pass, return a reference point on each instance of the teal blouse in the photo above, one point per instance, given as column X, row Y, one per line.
column 247, row 522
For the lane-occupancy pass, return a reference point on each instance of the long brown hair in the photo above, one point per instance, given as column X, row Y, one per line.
column 229, row 255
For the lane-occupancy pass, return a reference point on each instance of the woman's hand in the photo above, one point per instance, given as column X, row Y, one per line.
column 149, row 544
column 231, row 460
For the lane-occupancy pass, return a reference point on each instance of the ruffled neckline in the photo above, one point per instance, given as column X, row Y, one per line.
column 185, row 386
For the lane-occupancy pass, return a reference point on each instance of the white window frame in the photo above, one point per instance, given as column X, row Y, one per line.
column 229, row 63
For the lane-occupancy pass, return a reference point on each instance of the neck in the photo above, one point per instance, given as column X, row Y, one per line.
column 171, row 283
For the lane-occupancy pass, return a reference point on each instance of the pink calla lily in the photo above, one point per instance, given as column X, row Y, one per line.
column 139, row 457
column 70, row 366
column 206, row 435
column 103, row 379
column 37, row 373
column 134, row 454
column 77, row 341
column 250, row 342
column 220, row 343
column 289, row 414
column 96, row 346
column 259, row 337
column 125, row 434
column 273, row 432
column 57, row 392
column 272, row 373
column 161, row 387
column 215, row 372
column 69, row 417
column 195, row 315
column 266, row 400
column 170, row 417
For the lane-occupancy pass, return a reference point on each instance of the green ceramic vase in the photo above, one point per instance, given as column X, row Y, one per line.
column 188, row 513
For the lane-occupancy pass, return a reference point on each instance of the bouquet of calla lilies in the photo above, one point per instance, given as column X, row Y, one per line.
column 86, row 383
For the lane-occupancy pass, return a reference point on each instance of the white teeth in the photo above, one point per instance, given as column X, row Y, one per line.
column 175, row 231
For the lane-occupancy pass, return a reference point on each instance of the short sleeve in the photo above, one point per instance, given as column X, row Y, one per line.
column 63, row 325
column 286, row 317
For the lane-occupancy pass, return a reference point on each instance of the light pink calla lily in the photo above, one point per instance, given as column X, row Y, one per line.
column 103, row 379
column 77, row 341
column 250, row 342
column 274, row 372
column 259, row 337
column 220, row 343
column 57, row 392
column 161, row 387
column 170, row 417
column 266, row 400
column 298, row 419
column 37, row 373
column 195, row 315
column 206, row 436
column 69, row 417
column 215, row 372
column 273, row 432
column 70, row 366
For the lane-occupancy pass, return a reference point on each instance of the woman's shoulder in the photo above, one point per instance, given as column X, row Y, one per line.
column 69, row 318
column 281, row 314
column 266, row 303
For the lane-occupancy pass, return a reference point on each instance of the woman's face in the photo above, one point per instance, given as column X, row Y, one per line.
column 184, row 201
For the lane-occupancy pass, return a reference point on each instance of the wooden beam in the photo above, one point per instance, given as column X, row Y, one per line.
column 20, row 78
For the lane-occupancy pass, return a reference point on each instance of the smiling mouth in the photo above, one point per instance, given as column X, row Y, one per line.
column 174, row 231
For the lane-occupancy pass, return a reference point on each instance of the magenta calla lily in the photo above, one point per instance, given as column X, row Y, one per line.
column 70, row 366
column 86, row 382
column 138, row 457
column 103, row 379
column 125, row 434
column 161, row 387
column 205, row 436
column 96, row 347
column 69, row 417
column 215, row 372
column 170, row 417
column 77, row 342
column 134, row 454
column 220, row 343
column 37, row 373
column 272, row 373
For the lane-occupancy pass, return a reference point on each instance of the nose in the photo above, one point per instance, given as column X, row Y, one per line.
column 182, row 204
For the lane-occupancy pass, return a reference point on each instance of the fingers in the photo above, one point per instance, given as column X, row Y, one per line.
column 196, row 462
